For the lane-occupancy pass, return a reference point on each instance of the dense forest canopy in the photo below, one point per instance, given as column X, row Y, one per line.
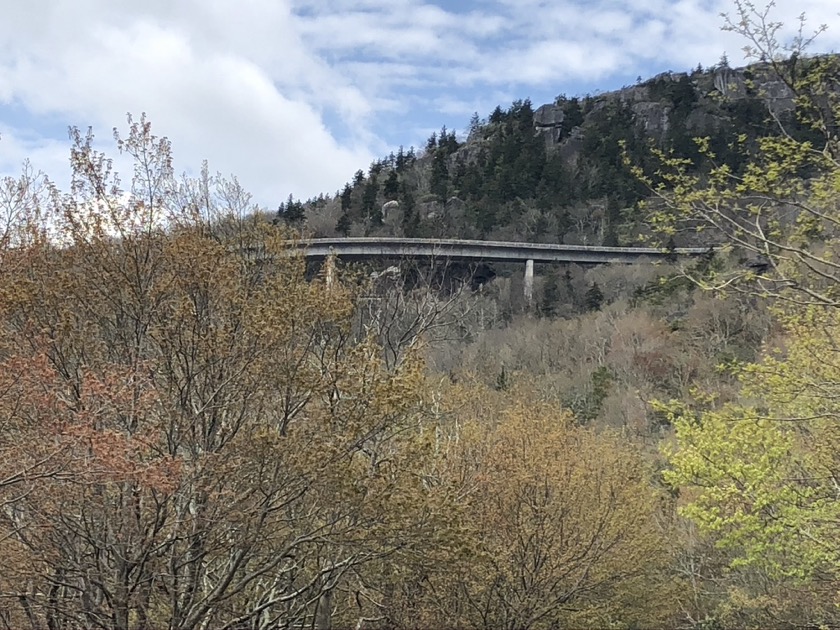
column 197, row 431
column 560, row 173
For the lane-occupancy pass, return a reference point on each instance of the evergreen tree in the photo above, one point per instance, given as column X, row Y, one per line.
column 346, row 198
column 439, row 183
column 369, row 196
column 570, row 287
column 475, row 124
column 375, row 168
column 551, row 294
column 572, row 114
column 447, row 141
column 392, row 186
column 610, row 236
column 594, row 298
column 344, row 224
column 293, row 212
column 410, row 217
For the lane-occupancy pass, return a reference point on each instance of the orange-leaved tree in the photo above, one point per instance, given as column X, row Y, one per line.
column 190, row 435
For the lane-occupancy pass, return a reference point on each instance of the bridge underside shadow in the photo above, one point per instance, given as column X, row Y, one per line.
column 477, row 256
column 446, row 276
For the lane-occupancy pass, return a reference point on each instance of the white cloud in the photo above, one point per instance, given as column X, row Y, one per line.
column 48, row 156
column 217, row 96
column 295, row 95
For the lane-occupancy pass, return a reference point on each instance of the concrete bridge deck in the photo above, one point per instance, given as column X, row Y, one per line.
column 487, row 251
column 484, row 251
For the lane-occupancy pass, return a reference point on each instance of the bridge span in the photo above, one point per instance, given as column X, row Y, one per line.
column 485, row 251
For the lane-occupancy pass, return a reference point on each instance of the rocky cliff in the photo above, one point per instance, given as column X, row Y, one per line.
column 696, row 101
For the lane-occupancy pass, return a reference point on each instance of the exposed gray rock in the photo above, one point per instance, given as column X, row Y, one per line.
column 732, row 85
column 570, row 148
column 778, row 95
column 553, row 136
column 653, row 113
column 548, row 121
column 653, row 118
column 735, row 84
column 548, row 116
column 702, row 121
column 633, row 94
column 392, row 217
column 455, row 203
column 389, row 207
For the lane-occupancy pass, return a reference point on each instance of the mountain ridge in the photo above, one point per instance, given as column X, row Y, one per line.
column 556, row 173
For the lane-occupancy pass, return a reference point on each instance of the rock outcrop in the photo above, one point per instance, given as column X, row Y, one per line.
column 548, row 120
column 653, row 109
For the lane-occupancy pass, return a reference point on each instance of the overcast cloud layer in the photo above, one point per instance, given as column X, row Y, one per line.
column 293, row 96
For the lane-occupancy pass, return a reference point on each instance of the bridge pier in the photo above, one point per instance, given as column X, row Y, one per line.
column 529, row 283
column 329, row 268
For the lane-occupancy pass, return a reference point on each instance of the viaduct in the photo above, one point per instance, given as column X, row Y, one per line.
column 484, row 251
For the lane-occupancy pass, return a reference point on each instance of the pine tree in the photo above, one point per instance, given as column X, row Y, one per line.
column 344, row 224
column 346, row 198
column 475, row 124
column 410, row 217
column 294, row 211
column 551, row 294
column 439, row 183
column 369, row 198
column 610, row 236
column 392, row 186
column 375, row 168
column 594, row 298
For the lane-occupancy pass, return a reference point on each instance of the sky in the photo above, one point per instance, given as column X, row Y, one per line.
column 294, row 96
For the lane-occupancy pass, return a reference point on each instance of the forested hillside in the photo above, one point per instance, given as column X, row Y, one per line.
column 197, row 431
column 558, row 173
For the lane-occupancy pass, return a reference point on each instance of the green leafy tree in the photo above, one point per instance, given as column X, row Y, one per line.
column 758, row 479
column 757, row 475
column 781, row 210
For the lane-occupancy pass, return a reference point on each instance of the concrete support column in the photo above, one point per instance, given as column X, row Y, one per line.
column 329, row 269
column 529, row 283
